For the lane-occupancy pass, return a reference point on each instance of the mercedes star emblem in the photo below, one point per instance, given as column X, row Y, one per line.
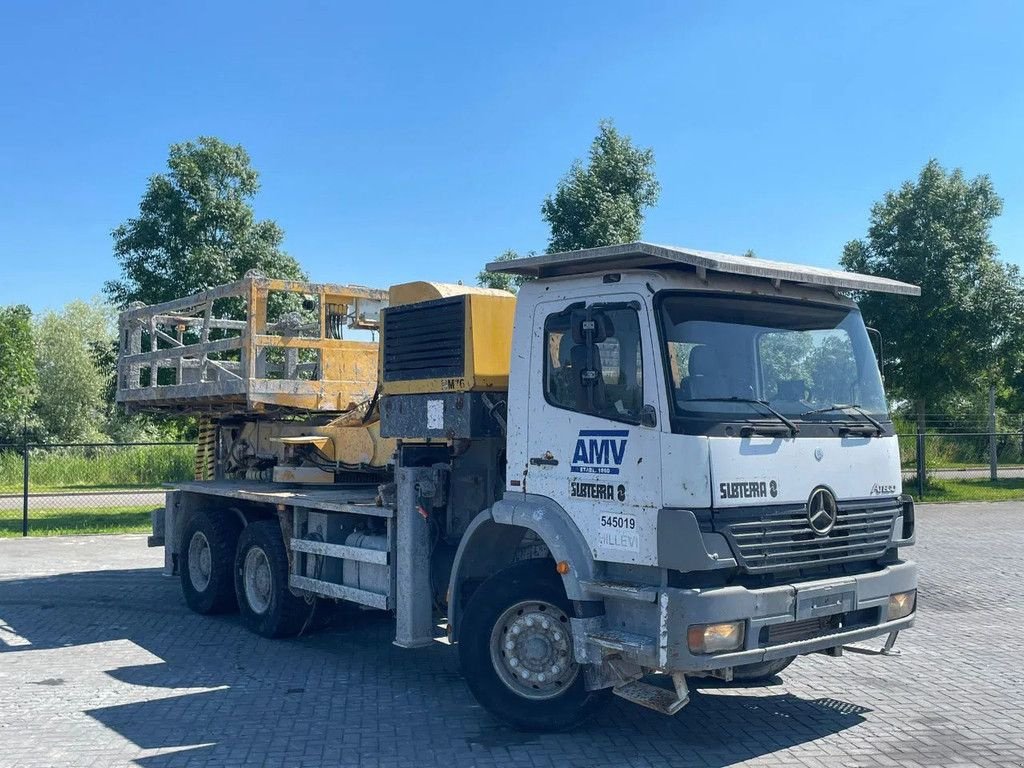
column 822, row 511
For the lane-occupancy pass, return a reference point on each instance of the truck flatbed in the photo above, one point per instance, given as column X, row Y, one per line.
column 360, row 500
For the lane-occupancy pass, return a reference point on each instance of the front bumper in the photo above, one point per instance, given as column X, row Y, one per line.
column 780, row 621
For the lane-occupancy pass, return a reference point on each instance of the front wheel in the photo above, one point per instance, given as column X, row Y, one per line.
column 266, row 604
column 515, row 649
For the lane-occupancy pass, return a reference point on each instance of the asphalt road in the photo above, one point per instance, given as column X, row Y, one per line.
column 976, row 473
column 101, row 664
column 87, row 500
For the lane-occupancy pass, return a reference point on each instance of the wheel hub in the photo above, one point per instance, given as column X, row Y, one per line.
column 531, row 649
column 200, row 561
column 257, row 579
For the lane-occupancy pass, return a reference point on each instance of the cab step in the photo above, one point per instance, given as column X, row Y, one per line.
column 663, row 700
column 616, row 640
column 621, row 590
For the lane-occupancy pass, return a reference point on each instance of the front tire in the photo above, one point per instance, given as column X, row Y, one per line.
column 205, row 561
column 515, row 649
column 267, row 606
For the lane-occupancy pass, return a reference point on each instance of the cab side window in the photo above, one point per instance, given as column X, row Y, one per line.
column 593, row 362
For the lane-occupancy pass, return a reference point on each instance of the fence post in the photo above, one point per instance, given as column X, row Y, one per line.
column 920, row 463
column 993, row 458
column 24, row 489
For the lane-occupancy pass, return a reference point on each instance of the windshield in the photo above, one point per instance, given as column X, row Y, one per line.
column 794, row 356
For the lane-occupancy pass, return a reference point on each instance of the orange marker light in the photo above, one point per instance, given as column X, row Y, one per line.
column 562, row 567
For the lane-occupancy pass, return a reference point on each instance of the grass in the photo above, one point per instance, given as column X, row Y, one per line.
column 946, row 490
column 65, row 522
column 142, row 466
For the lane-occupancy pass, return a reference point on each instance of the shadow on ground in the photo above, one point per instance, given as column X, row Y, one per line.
column 346, row 694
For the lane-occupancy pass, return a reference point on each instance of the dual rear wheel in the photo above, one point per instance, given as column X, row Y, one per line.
column 226, row 566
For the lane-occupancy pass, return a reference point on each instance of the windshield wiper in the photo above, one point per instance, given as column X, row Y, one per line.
column 848, row 407
column 793, row 428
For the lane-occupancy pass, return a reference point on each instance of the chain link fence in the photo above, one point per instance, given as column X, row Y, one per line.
column 71, row 488
column 947, row 457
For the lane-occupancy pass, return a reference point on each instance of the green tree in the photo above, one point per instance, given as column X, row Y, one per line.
column 196, row 228
column 500, row 280
column 71, row 405
column 17, row 370
column 935, row 232
column 602, row 202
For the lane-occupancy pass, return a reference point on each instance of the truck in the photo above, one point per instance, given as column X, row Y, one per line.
column 652, row 464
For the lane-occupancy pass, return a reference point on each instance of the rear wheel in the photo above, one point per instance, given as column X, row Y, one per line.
column 515, row 649
column 267, row 606
column 760, row 672
column 206, row 557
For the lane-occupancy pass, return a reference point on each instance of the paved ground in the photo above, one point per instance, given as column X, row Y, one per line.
column 101, row 665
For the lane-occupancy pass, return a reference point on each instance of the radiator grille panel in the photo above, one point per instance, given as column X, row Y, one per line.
column 780, row 538
column 425, row 341
column 809, row 629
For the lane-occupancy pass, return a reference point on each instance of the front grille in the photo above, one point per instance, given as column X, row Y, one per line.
column 808, row 629
column 780, row 538
column 794, row 631
column 425, row 340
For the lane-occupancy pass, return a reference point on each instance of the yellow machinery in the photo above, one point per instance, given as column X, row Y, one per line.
column 446, row 338
column 281, row 393
column 447, row 351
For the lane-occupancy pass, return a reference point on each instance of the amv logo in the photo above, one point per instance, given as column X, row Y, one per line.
column 599, row 451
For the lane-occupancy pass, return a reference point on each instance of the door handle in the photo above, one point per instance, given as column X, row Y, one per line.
column 544, row 461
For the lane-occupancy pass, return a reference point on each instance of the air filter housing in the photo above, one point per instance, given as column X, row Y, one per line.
column 458, row 343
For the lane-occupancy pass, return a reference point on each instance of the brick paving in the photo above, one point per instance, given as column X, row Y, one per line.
column 102, row 665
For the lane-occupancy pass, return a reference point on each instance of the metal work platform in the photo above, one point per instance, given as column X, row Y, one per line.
column 612, row 258
column 255, row 345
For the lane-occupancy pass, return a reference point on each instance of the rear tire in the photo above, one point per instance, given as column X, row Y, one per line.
column 515, row 649
column 206, row 560
column 267, row 606
column 760, row 672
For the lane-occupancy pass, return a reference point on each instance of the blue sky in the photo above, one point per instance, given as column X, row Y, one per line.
column 417, row 141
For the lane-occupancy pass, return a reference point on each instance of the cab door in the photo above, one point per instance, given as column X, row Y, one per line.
column 593, row 441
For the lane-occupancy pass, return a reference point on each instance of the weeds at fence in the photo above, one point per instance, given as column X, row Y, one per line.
column 97, row 467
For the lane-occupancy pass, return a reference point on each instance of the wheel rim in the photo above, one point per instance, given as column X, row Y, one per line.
column 531, row 650
column 256, row 576
column 200, row 561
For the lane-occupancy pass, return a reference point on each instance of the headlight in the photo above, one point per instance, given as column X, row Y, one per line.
column 902, row 604
column 714, row 638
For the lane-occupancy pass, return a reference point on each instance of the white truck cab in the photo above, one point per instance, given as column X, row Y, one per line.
column 711, row 434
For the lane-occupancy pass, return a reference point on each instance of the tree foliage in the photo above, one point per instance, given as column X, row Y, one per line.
column 196, row 228
column 935, row 232
column 602, row 202
column 17, row 370
column 71, row 405
column 500, row 280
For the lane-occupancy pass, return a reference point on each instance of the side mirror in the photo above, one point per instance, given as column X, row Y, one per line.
column 648, row 416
